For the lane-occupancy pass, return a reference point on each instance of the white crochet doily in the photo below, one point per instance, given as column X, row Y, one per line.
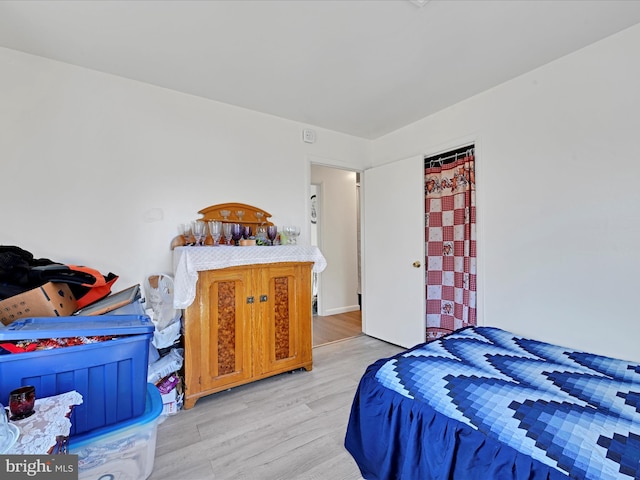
column 39, row 431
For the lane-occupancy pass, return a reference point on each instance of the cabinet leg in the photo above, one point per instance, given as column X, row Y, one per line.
column 189, row 402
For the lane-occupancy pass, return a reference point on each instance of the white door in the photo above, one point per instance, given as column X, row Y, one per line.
column 393, row 297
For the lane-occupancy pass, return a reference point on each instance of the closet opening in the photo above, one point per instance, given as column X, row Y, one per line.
column 450, row 238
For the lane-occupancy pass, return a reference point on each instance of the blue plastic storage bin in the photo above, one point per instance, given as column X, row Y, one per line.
column 111, row 376
column 123, row 451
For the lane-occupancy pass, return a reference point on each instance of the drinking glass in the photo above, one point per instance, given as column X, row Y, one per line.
column 295, row 233
column 292, row 232
column 225, row 214
column 246, row 231
column 236, row 232
column 199, row 229
column 240, row 214
column 22, row 401
column 8, row 433
column 215, row 229
column 185, row 230
column 261, row 234
column 4, row 428
column 284, row 232
column 226, row 229
column 272, row 233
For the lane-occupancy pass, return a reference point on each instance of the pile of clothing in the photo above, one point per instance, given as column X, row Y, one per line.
column 20, row 271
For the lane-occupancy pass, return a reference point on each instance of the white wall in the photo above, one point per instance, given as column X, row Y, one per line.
column 99, row 170
column 558, row 158
column 338, row 238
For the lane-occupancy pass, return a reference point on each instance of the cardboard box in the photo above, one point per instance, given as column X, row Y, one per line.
column 170, row 404
column 49, row 300
column 171, row 391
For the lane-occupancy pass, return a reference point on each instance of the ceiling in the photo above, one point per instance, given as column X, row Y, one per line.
column 364, row 68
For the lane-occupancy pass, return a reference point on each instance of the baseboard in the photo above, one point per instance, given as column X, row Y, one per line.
column 339, row 340
column 336, row 311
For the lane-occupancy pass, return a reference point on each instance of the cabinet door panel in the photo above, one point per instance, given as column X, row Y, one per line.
column 285, row 317
column 226, row 341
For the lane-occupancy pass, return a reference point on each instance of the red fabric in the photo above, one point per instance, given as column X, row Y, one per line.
column 90, row 293
column 23, row 346
column 18, row 348
column 451, row 247
column 95, row 293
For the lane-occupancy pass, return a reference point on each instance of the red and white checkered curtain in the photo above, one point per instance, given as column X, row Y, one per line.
column 450, row 233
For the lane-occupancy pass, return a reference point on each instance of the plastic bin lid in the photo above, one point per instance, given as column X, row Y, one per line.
column 62, row 327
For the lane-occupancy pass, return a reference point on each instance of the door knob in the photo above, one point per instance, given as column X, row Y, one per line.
column 416, row 264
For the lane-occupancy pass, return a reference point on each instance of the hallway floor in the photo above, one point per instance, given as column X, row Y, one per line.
column 336, row 327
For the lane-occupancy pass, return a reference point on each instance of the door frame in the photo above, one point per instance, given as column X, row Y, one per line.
column 320, row 205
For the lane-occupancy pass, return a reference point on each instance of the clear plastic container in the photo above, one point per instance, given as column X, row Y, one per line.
column 125, row 451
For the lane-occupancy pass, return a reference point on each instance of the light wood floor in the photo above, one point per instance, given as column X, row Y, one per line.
column 336, row 327
column 287, row 427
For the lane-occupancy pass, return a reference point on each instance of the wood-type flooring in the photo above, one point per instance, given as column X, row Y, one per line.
column 336, row 327
column 287, row 427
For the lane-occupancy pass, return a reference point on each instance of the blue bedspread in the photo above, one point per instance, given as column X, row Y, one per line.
column 483, row 403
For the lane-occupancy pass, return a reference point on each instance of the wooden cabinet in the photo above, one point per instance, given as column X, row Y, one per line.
column 246, row 323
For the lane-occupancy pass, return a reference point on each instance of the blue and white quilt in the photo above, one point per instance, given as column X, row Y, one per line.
column 575, row 414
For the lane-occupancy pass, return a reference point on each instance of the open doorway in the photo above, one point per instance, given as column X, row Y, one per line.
column 335, row 229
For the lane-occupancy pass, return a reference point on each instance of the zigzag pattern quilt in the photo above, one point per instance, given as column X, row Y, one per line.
column 575, row 412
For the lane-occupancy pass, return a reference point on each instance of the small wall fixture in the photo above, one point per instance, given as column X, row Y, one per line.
column 308, row 135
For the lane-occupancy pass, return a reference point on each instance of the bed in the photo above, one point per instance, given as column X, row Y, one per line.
column 483, row 403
